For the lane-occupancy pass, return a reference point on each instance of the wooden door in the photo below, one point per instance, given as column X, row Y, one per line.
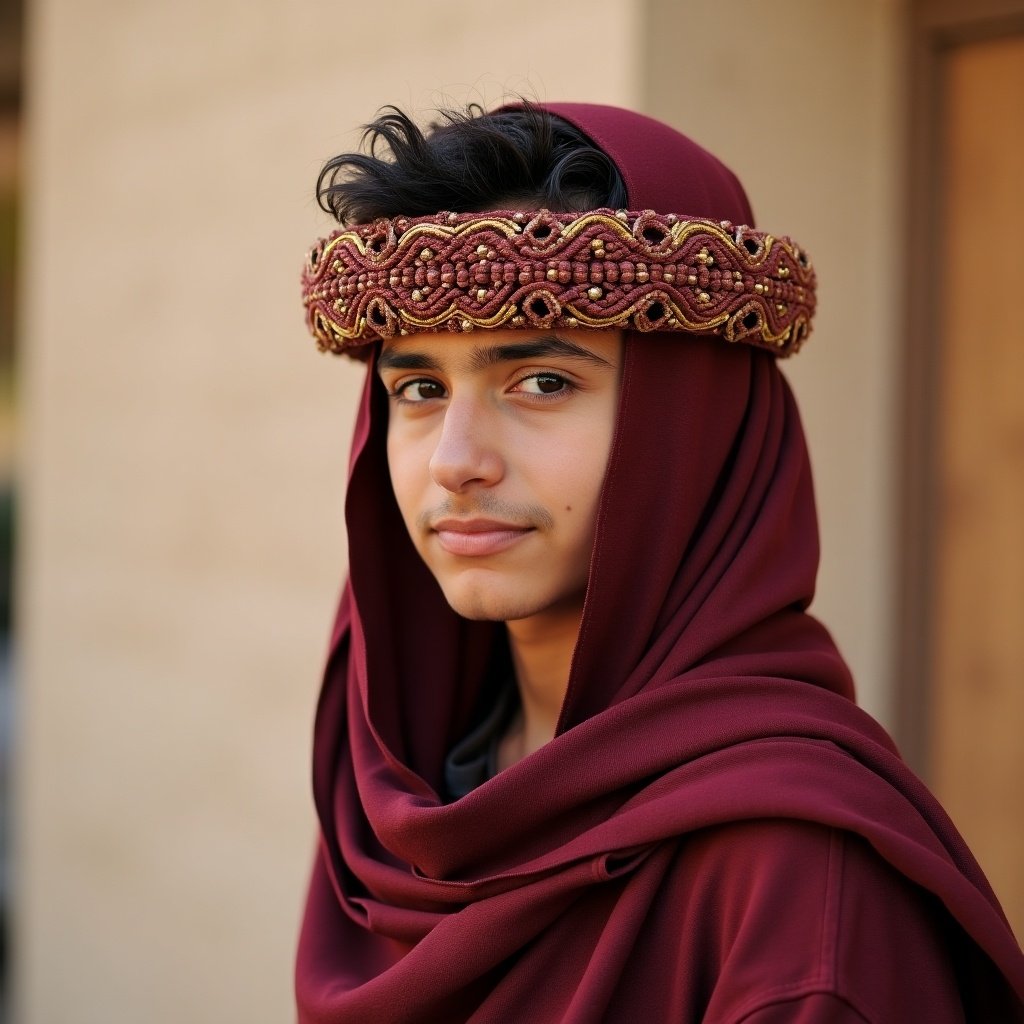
column 976, row 742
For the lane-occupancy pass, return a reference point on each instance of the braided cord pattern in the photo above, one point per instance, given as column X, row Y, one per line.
column 540, row 270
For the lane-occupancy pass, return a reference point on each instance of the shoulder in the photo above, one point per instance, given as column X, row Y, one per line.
column 810, row 923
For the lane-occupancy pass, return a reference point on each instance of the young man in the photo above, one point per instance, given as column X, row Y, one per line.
column 581, row 753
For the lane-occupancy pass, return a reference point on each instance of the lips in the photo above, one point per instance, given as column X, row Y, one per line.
column 478, row 537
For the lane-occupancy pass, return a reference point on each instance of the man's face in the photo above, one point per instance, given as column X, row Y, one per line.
column 497, row 447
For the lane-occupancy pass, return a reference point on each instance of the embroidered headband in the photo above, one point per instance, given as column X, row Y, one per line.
column 639, row 270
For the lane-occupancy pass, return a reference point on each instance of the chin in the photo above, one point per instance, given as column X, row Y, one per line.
column 501, row 600
column 490, row 608
column 482, row 603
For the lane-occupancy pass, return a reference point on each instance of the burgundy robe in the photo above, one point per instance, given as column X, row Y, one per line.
column 716, row 833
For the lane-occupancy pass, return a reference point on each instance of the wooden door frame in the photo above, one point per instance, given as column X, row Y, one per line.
column 933, row 27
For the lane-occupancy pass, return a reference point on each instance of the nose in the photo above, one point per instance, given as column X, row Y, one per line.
column 467, row 453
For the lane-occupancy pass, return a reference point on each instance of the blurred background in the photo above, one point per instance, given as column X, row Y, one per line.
column 176, row 449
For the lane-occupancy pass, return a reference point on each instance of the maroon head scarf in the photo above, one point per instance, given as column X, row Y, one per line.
column 702, row 695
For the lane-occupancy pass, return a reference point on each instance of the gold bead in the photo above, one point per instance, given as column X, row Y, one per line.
column 622, row 214
column 427, row 254
column 703, row 297
column 595, row 292
column 759, row 288
column 417, row 295
column 691, row 279
column 783, row 271
column 599, row 253
column 596, row 243
column 481, row 294
column 552, row 274
column 481, row 249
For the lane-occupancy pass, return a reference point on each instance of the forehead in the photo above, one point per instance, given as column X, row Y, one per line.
column 484, row 349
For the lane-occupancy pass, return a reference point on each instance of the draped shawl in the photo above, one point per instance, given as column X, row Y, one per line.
column 701, row 693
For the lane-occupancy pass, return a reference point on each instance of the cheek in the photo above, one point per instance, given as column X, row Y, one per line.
column 574, row 466
column 406, row 470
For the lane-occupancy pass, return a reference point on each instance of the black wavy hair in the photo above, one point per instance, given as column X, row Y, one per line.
column 468, row 161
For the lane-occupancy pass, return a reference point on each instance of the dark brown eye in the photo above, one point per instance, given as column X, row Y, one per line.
column 543, row 384
column 419, row 391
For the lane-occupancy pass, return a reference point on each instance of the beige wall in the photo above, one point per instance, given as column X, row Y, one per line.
column 184, row 448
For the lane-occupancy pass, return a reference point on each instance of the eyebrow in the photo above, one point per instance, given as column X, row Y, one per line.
column 390, row 360
column 490, row 355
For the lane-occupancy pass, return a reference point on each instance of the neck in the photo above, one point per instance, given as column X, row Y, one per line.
column 542, row 648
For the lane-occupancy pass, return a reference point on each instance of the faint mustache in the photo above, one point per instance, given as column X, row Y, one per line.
column 488, row 507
